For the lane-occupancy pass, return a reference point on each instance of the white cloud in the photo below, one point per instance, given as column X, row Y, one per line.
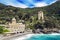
column 15, row 3
column 40, row 4
column 53, row 1
column 18, row 5
column 21, row 6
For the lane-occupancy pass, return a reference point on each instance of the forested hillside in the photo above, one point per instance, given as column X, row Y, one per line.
column 51, row 13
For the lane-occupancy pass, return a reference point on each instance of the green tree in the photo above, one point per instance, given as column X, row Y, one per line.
column 1, row 29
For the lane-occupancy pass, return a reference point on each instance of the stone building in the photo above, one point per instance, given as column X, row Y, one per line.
column 41, row 16
column 15, row 27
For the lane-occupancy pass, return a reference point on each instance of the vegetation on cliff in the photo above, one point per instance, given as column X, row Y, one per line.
column 51, row 15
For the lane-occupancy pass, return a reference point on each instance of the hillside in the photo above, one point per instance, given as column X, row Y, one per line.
column 8, row 12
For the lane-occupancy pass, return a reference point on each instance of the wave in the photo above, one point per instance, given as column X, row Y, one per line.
column 24, row 37
column 55, row 34
column 30, row 35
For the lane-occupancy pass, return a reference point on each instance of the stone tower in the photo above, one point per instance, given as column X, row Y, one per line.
column 13, row 20
column 40, row 15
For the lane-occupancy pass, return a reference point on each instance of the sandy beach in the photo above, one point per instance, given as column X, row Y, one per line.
column 14, row 36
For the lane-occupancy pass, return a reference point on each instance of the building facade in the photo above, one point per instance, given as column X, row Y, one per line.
column 15, row 27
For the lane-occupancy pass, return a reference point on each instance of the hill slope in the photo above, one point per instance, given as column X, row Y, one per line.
column 8, row 12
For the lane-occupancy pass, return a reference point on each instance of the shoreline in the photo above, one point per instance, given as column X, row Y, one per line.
column 15, row 35
column 21, row 35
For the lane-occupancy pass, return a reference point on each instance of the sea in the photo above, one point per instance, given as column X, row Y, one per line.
column 54, row 36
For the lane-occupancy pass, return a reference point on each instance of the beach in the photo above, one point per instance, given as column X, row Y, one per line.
column 15, row 36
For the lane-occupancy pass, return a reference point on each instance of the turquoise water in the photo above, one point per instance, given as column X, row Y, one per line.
column 44, row 37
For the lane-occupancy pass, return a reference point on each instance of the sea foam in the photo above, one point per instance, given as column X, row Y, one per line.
column 24, row 37
column 30, row 35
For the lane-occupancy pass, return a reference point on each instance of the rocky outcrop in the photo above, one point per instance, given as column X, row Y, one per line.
column 46, row 31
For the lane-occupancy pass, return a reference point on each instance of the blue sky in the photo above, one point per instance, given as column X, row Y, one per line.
column 28, row 3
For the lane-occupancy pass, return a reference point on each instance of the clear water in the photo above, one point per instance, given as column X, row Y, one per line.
column 40, row 37
column 44, row 37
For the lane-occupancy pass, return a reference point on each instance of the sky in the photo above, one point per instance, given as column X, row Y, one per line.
column 28, row 3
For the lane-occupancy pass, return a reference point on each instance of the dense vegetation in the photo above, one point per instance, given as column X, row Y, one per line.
column 3, row 30
column 51, row 14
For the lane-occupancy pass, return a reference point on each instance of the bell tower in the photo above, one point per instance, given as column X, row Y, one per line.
column 13, row 20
